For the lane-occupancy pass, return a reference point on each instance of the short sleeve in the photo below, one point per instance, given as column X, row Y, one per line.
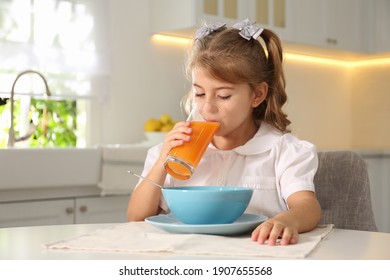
column 297, row 165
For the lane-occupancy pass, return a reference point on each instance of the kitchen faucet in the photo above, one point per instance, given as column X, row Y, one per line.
column 11, row 135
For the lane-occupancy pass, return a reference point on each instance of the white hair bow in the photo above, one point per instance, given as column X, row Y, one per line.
column 207, row 30
column 248, row 30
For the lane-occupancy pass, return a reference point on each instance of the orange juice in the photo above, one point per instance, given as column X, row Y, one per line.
column 183, row 160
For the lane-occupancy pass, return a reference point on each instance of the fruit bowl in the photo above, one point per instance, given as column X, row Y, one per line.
column 156, row 129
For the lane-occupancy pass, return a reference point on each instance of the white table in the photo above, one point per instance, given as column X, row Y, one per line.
column 26, row 243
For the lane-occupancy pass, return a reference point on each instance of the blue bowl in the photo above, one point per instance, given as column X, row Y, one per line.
column 207, row 204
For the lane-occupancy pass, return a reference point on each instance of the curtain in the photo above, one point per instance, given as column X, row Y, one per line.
column 65, row 40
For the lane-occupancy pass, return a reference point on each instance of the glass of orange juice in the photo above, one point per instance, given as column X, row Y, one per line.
column 183, row 160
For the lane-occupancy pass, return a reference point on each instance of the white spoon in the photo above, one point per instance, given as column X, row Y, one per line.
column 146, row 179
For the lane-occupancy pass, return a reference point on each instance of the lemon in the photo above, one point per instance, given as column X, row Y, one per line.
column 152, row 125
column 165, row 119
column 167, row 127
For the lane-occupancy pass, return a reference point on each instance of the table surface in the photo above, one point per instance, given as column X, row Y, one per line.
column 26, row 243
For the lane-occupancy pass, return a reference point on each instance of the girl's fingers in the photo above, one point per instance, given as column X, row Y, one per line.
column 181, row 131
column 177, row 136
column 274, row 233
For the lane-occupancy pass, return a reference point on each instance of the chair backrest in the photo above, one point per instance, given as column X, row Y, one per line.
column 343, row 190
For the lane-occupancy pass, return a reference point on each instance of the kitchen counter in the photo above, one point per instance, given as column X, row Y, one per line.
column 27, row 243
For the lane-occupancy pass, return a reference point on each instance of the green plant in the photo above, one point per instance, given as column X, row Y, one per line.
column 55, row 122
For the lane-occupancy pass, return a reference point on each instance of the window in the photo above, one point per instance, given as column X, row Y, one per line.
column 66, row 41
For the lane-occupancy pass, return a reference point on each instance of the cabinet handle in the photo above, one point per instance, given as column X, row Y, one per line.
column 331, row 41
column 69, row 210
column 83, row 209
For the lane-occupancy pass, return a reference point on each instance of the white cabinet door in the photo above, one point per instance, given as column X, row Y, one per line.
column 109, row 209
column 174, row 17
column 346, row 25
column 332, row 24
column 276, row 15
column 310, row 21
column 183, row 17
column 379, row 172
column 34, row 213
column 227, row 11
column 381, row 24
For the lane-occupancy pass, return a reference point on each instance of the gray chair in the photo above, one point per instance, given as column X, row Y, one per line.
column 343, row 190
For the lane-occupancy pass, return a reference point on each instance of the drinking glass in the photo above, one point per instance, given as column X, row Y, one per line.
column 183, row 160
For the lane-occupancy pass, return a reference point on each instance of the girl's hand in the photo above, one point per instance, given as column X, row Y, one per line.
column 275, row 230
column 303, row 215
column 179, row 134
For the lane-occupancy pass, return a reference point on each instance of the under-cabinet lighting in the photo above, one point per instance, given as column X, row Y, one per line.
column 371, row 62
column 171, row 39
column 316, row 59
column 338, row 62
column 296, row 57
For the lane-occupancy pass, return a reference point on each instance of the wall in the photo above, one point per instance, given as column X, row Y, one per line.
column 370, row 87
column 146, row 79
column 319, row 104
column 329, row 105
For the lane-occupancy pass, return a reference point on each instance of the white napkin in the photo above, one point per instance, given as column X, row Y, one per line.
column 141, row 237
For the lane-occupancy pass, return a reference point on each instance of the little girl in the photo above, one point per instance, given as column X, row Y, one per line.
column 240, row 84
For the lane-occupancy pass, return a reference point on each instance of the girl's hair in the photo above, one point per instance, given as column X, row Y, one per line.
column 227, row 56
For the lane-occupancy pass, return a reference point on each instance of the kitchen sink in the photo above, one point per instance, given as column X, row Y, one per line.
column 49, row 167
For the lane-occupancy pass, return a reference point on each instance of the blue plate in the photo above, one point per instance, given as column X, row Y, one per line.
column 242, row 225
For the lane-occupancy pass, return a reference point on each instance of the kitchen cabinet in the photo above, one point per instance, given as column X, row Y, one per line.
column 191, row 14
column 110, row 209
column 378, row 165
column 381, row 22
column 273, row 14
column 64, row 211
column 228, row 11
column 40, row 212
column 333, row 24
column 350, row 25
column 276, row 15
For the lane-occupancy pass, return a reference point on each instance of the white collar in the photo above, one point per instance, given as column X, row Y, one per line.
column 262, row 141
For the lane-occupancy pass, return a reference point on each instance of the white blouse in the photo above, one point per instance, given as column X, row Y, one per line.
column 274, row 164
